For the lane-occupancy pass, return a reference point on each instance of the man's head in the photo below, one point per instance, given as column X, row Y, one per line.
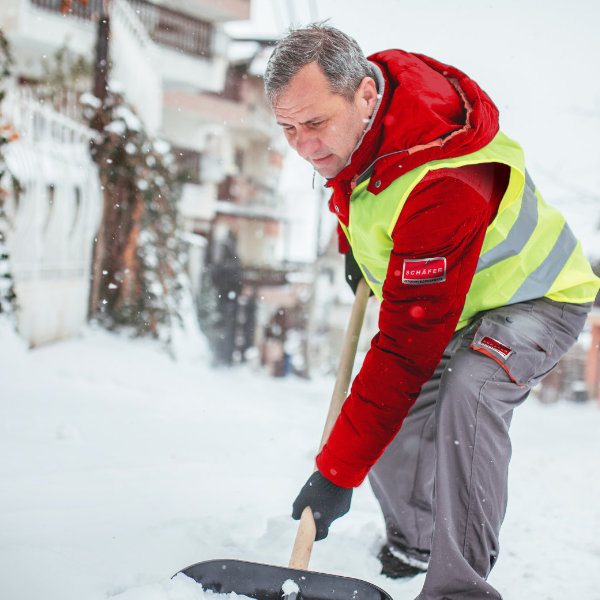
column 322, row 90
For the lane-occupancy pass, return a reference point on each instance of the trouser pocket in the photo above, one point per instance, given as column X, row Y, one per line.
column 521, row 344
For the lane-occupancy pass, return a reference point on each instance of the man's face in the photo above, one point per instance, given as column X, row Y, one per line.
column 320, row 126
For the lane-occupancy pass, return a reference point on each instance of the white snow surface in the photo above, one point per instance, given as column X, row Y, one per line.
column 121, row 466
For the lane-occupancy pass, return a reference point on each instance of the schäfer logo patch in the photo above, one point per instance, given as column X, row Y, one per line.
column 424, row 270
column 496, row 346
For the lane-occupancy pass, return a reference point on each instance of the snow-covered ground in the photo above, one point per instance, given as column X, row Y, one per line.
column 120, row 466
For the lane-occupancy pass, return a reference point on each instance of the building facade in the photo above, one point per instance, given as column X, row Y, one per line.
column 190, row 85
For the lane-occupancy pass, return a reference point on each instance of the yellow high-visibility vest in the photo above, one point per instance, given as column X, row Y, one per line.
column 528, row 251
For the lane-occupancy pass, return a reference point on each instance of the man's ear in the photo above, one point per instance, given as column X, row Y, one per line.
column 366, row 95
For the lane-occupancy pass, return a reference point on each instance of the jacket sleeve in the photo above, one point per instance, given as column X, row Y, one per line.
column 443, row 218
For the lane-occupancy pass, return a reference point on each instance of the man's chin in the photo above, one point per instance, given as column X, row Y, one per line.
column 327, row 170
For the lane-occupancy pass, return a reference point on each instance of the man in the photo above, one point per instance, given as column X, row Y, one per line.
column 483, row 288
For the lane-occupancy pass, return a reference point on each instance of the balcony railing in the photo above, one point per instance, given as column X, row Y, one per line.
column 175, row 29
column 165, row 26
column 247, row 192
column 84, row 10
column 63, row 100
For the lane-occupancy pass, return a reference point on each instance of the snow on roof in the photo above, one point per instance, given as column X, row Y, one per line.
column 259, row 64
column 255, row 53
column 242, row 50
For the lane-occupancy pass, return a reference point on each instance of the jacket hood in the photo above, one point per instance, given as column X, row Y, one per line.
column 429, row 111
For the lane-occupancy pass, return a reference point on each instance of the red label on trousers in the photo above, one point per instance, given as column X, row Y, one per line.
column 495, row 345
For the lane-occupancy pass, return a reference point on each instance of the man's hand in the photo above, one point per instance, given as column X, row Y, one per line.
column 327, row 500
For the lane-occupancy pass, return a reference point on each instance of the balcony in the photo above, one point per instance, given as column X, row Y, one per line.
column 217, row 11
column 152, row 47
column 175, row 29
column 246, row 191
column 88, row 10
column 63, row 100
column 167, row 27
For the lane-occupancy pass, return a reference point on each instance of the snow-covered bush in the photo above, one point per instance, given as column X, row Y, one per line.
column 139, row 256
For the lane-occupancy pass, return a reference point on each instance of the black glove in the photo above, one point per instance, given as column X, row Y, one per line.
column 327, row 500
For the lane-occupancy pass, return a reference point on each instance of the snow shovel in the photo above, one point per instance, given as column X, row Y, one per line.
column 266, row 582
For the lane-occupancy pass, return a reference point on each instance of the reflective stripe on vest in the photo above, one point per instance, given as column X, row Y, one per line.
column 539, row 281
column 528, row 250
column 520, row 232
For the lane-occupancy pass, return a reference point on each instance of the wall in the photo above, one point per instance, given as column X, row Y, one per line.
column 133, row 55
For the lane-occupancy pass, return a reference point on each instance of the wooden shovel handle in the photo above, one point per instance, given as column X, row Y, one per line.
column 306, row 529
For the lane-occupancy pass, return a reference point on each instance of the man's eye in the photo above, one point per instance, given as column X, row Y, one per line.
column 316, row 124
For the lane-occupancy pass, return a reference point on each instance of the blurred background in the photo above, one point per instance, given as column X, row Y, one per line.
column 146, row 189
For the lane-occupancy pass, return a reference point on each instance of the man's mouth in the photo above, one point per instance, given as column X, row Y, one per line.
column 321, row 160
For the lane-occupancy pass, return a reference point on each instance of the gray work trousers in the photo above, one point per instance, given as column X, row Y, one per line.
column 442, row 482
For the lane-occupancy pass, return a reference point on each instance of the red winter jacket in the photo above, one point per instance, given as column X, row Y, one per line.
column 428, row 111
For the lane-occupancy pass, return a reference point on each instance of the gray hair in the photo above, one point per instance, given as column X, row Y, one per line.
column 339, row 56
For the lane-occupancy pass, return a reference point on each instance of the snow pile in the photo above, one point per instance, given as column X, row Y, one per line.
column 179, row 588
column 122, row 466
column 12, row 346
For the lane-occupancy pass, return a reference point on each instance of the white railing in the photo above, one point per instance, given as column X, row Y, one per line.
column 53, row 216
column 119, row 9
column 36, row 121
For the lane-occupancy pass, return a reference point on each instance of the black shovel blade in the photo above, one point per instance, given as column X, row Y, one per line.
column 267, row 582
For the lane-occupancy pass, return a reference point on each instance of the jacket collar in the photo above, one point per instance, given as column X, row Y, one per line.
column 426, row 111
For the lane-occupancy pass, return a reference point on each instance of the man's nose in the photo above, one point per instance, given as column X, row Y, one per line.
column 306, row 143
